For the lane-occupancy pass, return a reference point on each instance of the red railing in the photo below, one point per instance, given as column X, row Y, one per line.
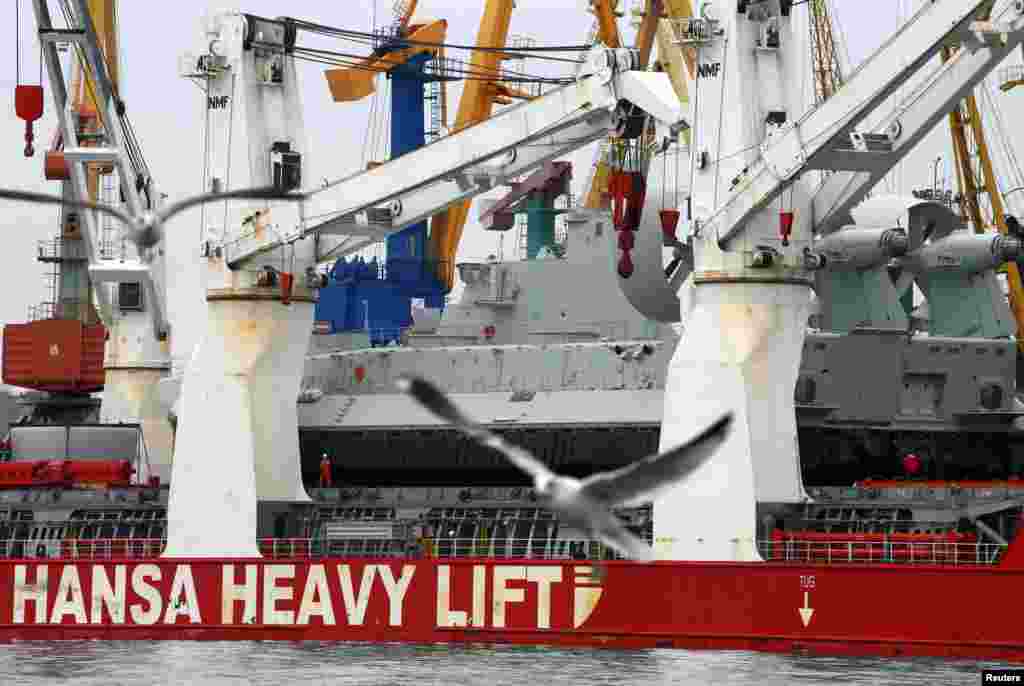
column 65, row 473
column 949, row 548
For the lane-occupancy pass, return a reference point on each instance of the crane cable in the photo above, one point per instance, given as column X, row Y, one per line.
column 455, row 69
column 1007, row 149
column 17, row 43
column 132, row 146
column 363, row 36
column 17, row 47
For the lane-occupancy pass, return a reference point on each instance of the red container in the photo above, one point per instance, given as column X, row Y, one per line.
column 100, row 472
column 16, row 474
column 55, row 355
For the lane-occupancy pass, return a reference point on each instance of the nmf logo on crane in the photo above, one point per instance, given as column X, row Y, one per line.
column 709, row 70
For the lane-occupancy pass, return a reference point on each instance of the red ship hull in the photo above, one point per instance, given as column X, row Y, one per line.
column 885, row 610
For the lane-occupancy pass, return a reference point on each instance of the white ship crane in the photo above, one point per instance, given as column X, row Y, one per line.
column 754, row 216
column 237, row 436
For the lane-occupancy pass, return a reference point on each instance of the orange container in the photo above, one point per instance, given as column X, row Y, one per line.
column 54, row 355
column 55, row 166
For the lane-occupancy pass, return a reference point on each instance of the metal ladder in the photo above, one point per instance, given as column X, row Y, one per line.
column 432, row 96
column 522, row 238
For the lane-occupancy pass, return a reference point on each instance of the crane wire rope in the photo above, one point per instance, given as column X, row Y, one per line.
column 1004, row 139
column 384, row 134
column 206, row 158
column 363, row 37
column 17, row 43
column 227, row 155
column 368, row 133
column 721, row 117
column 1008, row 154
column 694, row 148
column 132, row 146
column 917, row 96
column 454, row 69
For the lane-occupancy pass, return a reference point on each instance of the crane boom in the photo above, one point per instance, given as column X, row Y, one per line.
column 645, row 34
column 827, row 137
column 750, row 295
column 465, row 164
column 914, row 117
column 965, row 123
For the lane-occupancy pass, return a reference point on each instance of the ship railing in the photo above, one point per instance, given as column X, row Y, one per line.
column 315, row 548
column 290, row 548
column 441, row 548
column 889, row 492
column 514, row 548
column 812, row 552
column 82, row 549
column 882, row 552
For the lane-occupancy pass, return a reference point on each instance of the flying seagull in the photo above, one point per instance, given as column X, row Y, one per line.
column 147, row 230
column 586, row 504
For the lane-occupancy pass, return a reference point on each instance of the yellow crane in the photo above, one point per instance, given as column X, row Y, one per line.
column 673, row 56
column 606, row 12
column 975, row 181
column 828, row 74
column 475, row 105
column 596, row 195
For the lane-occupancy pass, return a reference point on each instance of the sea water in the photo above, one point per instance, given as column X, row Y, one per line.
column 277, row 663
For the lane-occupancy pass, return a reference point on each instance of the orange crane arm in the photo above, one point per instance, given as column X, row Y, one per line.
column 355, row 83
column 653, row 12
column 475, row 105
column 608, row 29
column 83, row 90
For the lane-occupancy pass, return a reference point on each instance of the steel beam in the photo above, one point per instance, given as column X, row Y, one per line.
column 471, row 161
column 829, row 126
column 917, row 115
column 89, row 227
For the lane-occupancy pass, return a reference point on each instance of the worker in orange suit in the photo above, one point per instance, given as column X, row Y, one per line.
column 325, row 472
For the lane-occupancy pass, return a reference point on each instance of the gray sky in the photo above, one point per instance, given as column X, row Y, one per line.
column 166, row 109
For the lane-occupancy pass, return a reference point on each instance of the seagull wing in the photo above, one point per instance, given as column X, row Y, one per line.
column 438, row 403
column 267, row 193
column 43, row 198
column 619, row 538
column 639, row 480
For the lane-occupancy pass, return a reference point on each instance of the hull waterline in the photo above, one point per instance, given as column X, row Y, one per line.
column 881, row 610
